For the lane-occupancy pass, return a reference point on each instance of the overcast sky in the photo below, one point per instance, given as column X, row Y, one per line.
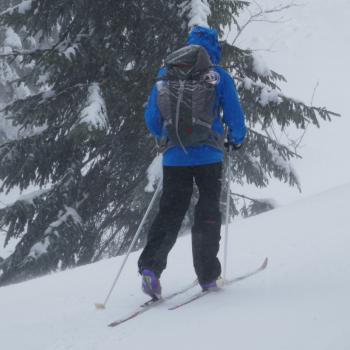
column 311, row 47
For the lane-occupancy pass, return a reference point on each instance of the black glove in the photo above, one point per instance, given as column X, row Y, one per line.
column 232, row 146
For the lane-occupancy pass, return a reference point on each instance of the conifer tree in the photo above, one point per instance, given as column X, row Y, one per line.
column 95, row 62
column 10, row 71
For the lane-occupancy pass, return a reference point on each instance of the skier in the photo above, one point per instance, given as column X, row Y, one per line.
column 188, row 157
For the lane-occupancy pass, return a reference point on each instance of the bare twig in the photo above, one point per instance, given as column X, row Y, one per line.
column 297, row 145
column 277, row 144
column 261, row 15
column 314, row 93
column 261, row 85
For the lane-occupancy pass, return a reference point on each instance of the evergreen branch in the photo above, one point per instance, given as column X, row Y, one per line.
column 246, row 197
column 41, row 54
column 113, row 217
column 243, row 63
column 255, row 84
column 321, row 110
column 256, row 206
column 277, row 144
column 43, row 95
column 10, row 10
column 30, row 53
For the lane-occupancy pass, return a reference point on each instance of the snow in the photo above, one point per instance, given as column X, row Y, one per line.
column 90, row 163
column 29, row 197
column 22, row 8
column 94, row 114
column 41, row 247
column 69, row 213
column 282, row 163
column 248, row 83
column 71, row 51
column 300, row 301
column 269, row 95
column 199, row 13
column 22, row 91
column 12, row 39
column 259, row 66
column 154, row 173
column 130, row 66
column 46, row 95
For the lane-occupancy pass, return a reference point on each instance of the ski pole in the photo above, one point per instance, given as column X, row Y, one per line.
column 102, row 306
column 228, row 195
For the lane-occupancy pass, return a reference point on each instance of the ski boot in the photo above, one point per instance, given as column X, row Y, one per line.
column 150, row 284
column 213, row 285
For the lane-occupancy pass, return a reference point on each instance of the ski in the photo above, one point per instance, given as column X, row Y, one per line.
column 151, row 304
column 226, row 283
column 155, row 302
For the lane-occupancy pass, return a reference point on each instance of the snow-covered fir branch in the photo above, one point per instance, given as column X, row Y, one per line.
column 94, row 114
column 21, row 8
column 200, row 11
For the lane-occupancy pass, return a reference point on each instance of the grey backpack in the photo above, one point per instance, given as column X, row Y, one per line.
column 186, row 98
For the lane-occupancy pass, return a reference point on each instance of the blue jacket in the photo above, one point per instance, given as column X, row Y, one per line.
column 226, row 99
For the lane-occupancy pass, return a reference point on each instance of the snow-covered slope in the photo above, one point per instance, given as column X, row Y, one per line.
column 300, row 302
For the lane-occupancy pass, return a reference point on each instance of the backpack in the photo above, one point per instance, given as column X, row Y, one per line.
column 186, row 98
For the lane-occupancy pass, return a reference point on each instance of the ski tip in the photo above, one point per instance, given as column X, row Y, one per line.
column 99, row 306
column 264, row 264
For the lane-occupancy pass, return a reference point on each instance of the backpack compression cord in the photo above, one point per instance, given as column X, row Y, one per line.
column 177, row 117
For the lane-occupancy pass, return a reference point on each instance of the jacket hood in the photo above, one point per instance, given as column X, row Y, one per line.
column 208, row 38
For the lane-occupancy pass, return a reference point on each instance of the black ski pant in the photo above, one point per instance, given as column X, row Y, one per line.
column 174, row 202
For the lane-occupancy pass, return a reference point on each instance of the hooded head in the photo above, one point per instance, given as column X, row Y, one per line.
column 208, row 38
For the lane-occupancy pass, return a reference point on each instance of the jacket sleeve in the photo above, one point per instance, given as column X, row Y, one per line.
column 233, row 112
column 153, row 117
